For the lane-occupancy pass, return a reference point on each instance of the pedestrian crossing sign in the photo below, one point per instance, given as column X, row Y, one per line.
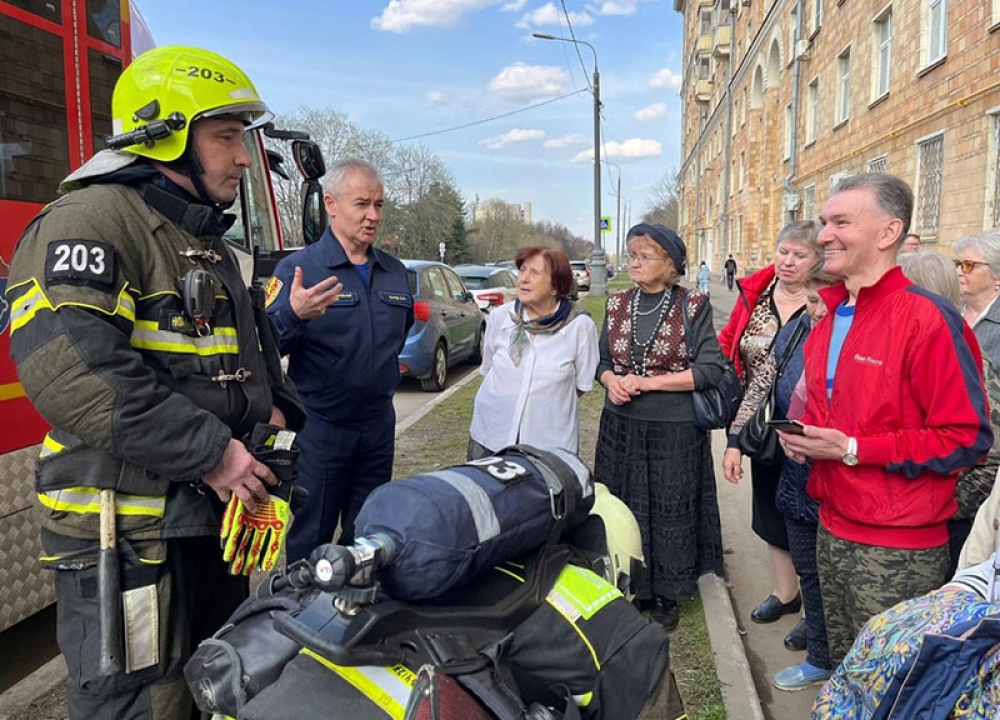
column 605, row 223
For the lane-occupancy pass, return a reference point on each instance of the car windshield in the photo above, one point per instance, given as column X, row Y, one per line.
column 578, row 265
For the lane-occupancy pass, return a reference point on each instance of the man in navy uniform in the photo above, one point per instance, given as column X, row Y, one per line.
column 342, row 309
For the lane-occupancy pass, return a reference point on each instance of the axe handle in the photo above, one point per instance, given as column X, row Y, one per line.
column 109, row 599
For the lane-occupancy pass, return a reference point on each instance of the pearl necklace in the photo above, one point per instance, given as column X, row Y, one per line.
column 639, row 364
column 800, row 298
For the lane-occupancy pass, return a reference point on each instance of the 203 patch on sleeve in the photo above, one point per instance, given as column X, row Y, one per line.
column 80, row 262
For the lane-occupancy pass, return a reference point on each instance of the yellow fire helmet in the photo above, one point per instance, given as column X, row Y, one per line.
column 165, row 89
column 624, row 541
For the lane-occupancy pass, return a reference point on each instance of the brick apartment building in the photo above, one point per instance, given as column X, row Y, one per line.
column 782, row 98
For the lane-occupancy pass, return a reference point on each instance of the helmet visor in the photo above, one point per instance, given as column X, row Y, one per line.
column 251, row 114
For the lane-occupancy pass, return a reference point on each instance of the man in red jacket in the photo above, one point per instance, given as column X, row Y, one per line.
column 895, row 409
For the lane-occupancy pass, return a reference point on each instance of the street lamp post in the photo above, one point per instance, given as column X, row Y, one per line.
column 598, row 265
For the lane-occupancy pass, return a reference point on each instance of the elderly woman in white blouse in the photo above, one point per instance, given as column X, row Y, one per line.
column 539, row 356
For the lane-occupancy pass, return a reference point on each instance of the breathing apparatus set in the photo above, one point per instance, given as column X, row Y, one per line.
column 475, row 582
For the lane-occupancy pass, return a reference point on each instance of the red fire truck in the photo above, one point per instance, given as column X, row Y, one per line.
column 59, row 61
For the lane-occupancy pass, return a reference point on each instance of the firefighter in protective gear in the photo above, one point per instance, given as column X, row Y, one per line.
column 142, row 400
column 624, row 541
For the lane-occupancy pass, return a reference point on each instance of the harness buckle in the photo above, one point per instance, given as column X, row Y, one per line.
column 208, row 254
column 224, row 378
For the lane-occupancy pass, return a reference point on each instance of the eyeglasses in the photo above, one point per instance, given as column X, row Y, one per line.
column 642, row 259
column 968, row 266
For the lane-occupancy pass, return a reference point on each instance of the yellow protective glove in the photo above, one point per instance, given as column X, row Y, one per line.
column 254, row 540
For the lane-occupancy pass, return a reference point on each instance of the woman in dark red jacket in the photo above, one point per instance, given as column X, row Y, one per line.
column 769, row 299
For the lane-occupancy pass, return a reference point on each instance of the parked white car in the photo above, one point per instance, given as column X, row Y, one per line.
column 491, row 285
column 581, row 273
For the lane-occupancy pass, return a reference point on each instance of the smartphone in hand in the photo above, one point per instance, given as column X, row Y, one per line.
column 789, row 426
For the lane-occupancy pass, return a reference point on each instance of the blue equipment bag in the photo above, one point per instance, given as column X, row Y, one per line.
column 448, row 526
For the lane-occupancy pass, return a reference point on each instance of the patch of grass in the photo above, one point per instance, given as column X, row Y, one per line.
column 694, row 669
column 439, row 439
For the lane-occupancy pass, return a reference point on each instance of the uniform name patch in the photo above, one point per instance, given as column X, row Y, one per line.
column 80, row 262
column 271, row 290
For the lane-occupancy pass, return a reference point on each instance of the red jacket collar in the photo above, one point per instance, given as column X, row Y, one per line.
column 892, row 281
column 755, row 284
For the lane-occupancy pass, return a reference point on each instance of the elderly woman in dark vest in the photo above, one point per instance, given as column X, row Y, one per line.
column 648, row 451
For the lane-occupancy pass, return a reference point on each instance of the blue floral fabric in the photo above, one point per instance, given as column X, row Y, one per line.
column 885, row 649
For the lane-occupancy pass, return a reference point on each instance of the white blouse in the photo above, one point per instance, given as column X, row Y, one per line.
column 536, row 402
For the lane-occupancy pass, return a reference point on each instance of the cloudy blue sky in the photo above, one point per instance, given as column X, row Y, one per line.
column 414, row 67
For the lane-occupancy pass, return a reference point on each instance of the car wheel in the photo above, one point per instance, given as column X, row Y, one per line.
column 477, row 351
column 439, row 370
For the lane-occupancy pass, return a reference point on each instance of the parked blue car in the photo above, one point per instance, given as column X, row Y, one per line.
column 448, row 325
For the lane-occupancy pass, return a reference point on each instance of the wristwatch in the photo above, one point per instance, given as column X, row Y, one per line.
column 851, row 457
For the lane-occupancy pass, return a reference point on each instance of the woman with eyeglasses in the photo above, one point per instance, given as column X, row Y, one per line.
column 649, row 453
column 977, row 262
column 769, row 300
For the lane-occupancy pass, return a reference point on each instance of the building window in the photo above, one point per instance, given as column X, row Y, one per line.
column 883, row 58
column 844, row 86
column 930, row 160
column 809, row 203
column 877, row 165
column 994, row 204
column 705, row 18
column 836, row 178
column 745, row 104
column 743, row 167
column 813, row 120
column 789, row 120
column 936, row 29
column 817, row 18
column 704, row 68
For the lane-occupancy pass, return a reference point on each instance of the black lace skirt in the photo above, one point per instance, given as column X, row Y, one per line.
column 663, row 471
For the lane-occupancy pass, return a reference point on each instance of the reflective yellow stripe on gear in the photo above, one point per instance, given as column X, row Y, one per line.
column 388, row 687
column 50, row 446
column 25, row 307
column 87, row 500
column 146, row 335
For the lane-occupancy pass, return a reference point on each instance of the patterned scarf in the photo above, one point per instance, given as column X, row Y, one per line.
column 565, row 313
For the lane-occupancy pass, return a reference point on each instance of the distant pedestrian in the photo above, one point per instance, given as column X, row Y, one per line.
column 730, row 268
column 649, row 453
column 539, row 356
column 895, row 409
column 704, row 276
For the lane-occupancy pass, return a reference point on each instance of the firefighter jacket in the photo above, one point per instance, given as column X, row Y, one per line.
column 141, row 400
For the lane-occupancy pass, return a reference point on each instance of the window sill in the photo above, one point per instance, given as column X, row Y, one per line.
column 879, row 100
column 815, row 32
column 994, row 27
column 927, row 68
column 841, row 123
column 809, row 144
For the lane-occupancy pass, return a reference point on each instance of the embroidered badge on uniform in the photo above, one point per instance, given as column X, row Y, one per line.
column 274, row 286
column 80, row 262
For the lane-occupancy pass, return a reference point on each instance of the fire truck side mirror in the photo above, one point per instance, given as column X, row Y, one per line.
column 314, row 219
column 308, row 159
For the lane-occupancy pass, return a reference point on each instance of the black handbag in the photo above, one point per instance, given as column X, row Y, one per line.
column 758, row 439
column 713, row 407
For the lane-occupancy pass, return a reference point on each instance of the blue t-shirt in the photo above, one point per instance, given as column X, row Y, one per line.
column 364, row 273
column 842, row 320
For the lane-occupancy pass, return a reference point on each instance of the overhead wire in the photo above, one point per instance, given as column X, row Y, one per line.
column 489, row 119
